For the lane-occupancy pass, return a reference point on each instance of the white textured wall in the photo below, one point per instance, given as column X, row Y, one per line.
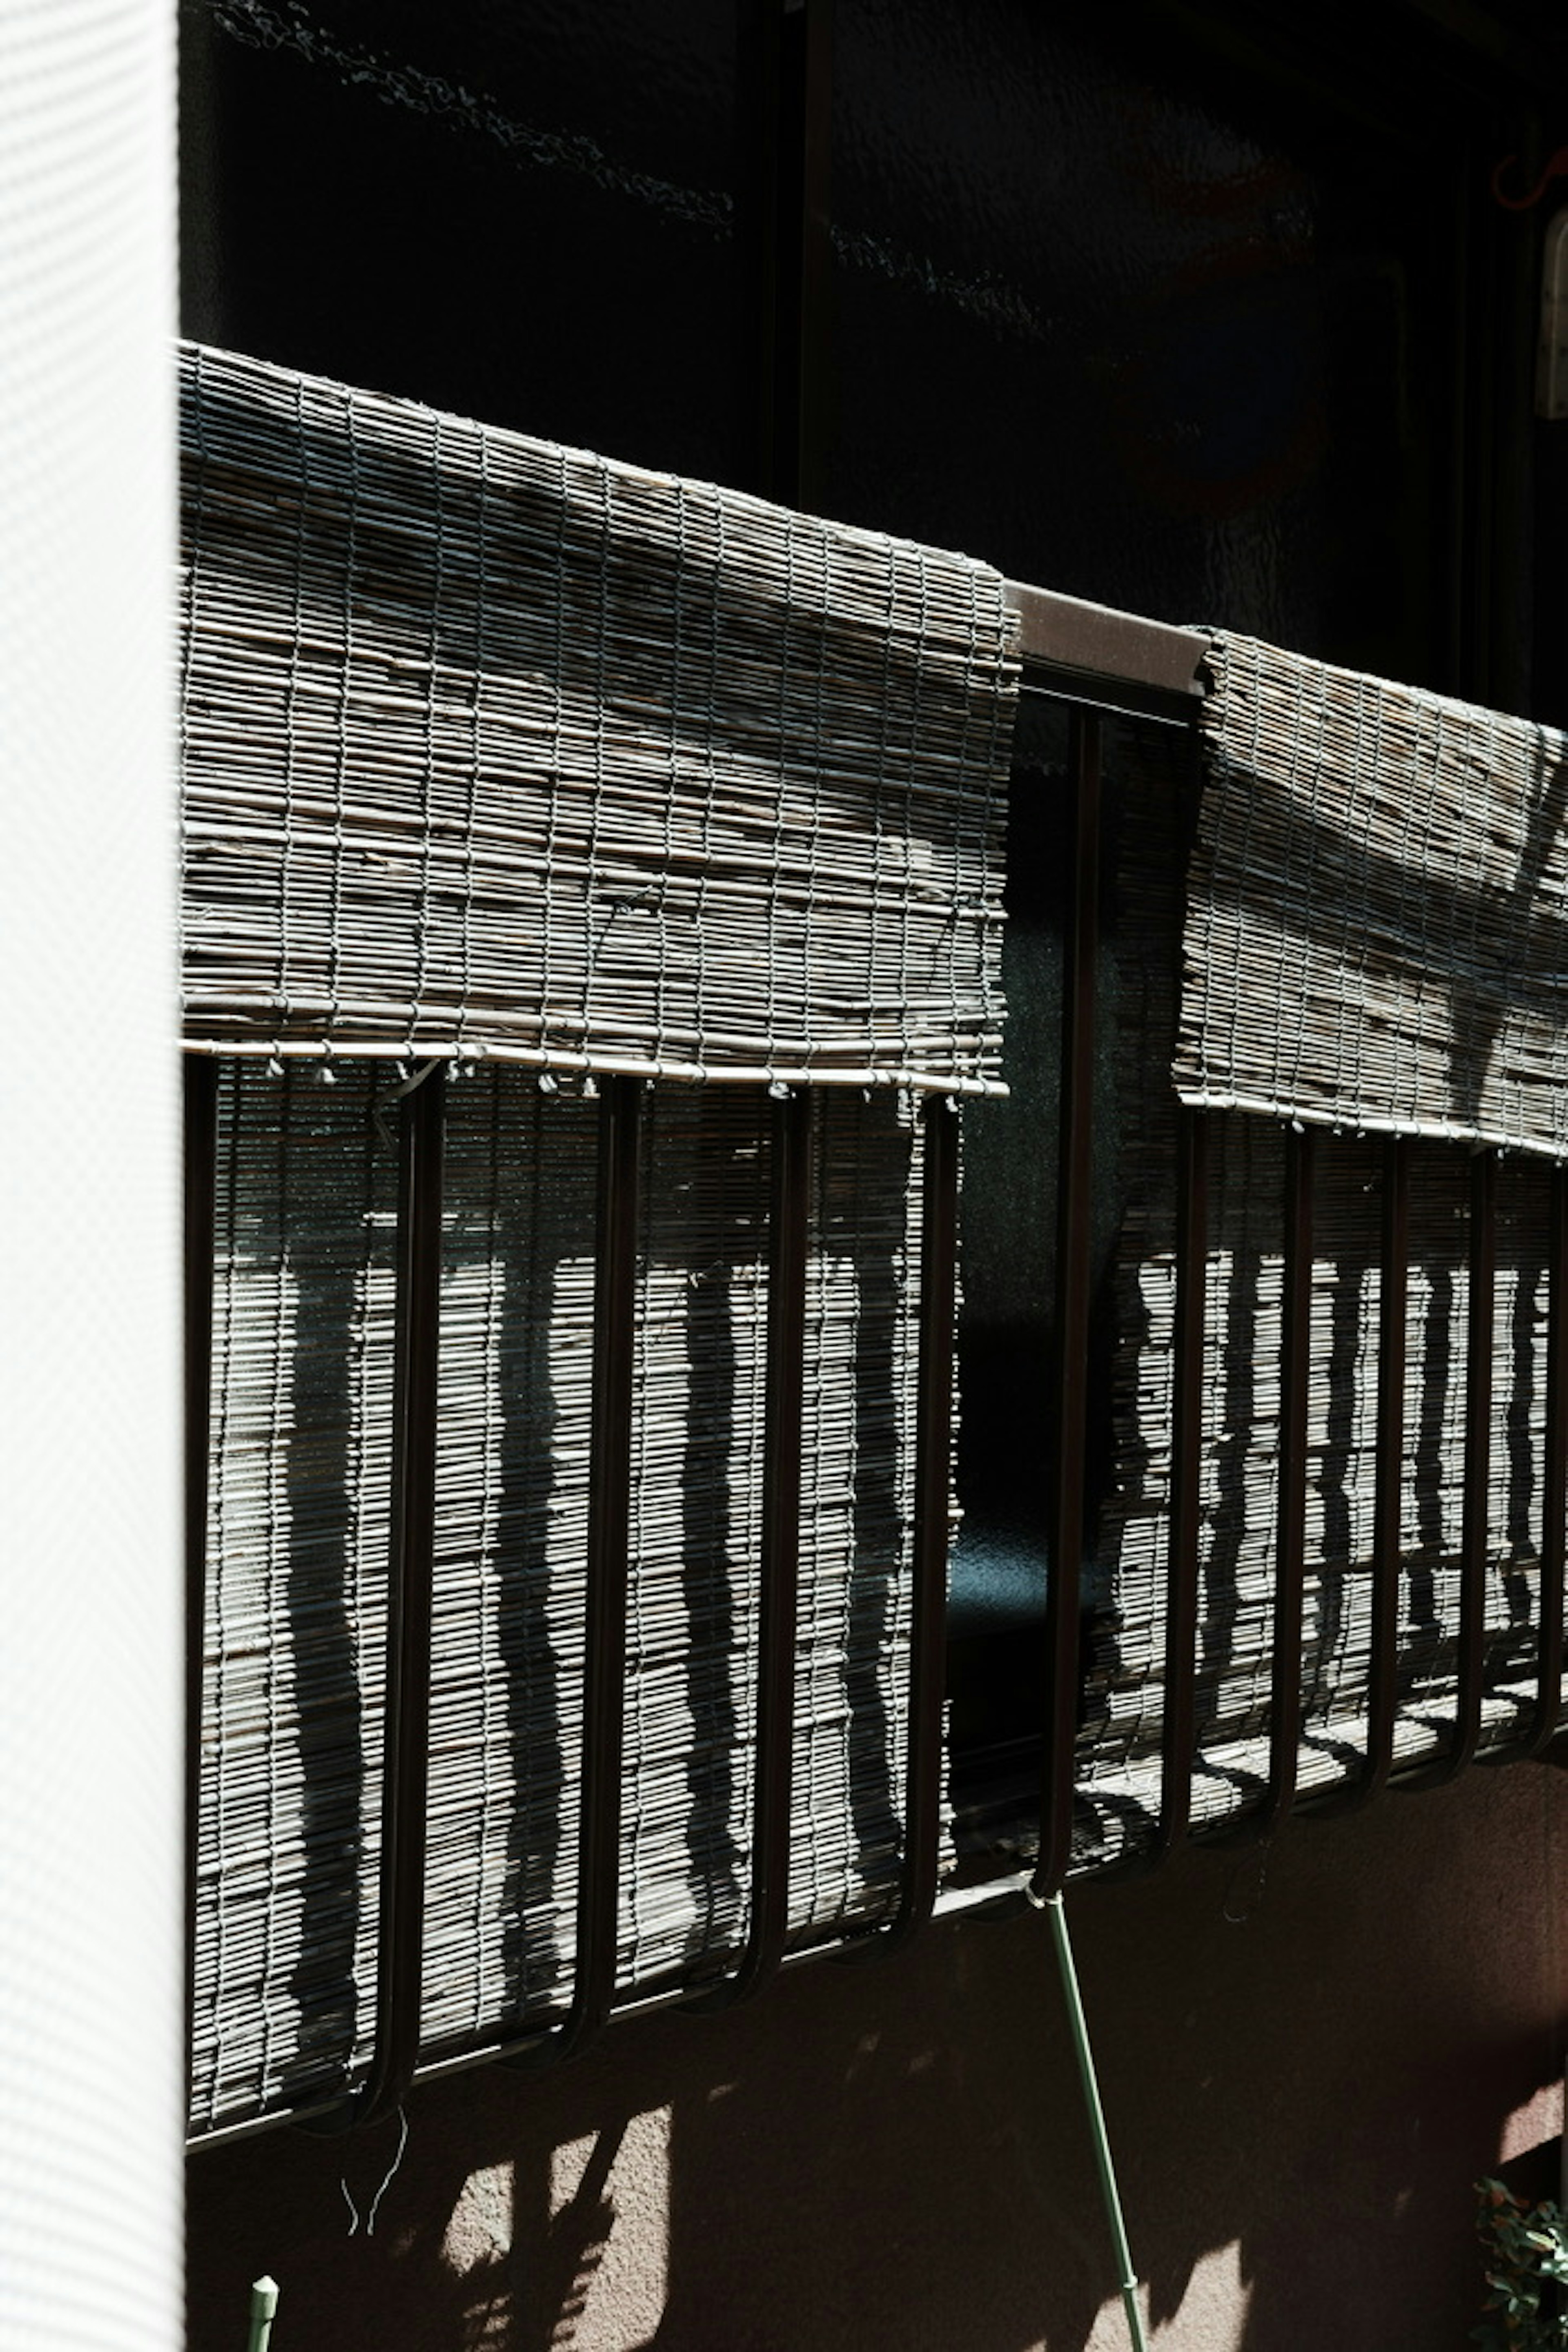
column 91, row 1645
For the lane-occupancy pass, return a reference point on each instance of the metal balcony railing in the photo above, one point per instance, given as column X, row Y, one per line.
column 1097, row 661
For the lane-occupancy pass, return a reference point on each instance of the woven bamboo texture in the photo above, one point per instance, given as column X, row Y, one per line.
column 298, row 1526
column 1118, row 1751
column 492, row 748
column 1377, row 932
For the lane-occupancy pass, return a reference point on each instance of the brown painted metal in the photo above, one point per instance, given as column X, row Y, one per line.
column 1178, row 1730
column 933, row 1524
column 1393, row 1294
column 1064, row 639
column 1481, row 1342
column 609, row 1539
column 1291, row 1523
column 1554, row 1484
column 201, row 1087
column 1469, row 1665
column 401, row 1943
column 789, row 45
column 1075, row 1224
column 788, row 1254
column 1387, row 1558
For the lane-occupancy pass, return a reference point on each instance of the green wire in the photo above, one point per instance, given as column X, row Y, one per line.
column 1127, row 2275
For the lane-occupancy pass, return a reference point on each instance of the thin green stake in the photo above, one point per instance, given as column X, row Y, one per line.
column 1127, row 2275
column 263, row 2312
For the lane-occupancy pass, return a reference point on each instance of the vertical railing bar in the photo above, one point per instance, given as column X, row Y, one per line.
column 1074, row 1274
column 789, row 1241
column 932, row 1523
column 1179, row 1723
column 406, row 1739
column 1388, row 1499
column 802, row 251
column 1476, row 1522
column 1471, row 1645
column 1291, row 1523
column 608, row 1569
column 1553, row 1482
column 201, row 1097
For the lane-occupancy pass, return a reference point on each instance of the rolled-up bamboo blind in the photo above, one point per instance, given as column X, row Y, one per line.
column 493, row 748
column 1377, row 926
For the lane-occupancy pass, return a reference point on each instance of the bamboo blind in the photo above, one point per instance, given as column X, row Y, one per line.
column 508, row 754
column 1377, row 931
column 1118, row 1748
column 497, row 749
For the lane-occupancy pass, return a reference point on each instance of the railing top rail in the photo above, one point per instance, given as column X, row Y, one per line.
column 1094, row 653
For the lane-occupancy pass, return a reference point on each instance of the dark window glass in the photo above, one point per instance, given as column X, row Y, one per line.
column 1150, row 326
column 522, row 212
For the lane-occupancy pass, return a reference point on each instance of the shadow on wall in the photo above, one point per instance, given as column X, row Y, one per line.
column 1306, row 2065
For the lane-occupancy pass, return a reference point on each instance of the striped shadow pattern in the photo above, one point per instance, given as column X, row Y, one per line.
column 299, row 1527
column 1243, row 1280
column 514, row 760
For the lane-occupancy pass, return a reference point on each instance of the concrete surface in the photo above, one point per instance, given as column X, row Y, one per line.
column 1308, row 2058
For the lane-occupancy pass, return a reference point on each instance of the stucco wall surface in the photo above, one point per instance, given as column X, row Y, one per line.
column 1307, row 2056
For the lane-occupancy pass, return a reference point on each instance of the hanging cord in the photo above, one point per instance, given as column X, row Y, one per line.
column 1127, row 2277
column 1259, row 1857
column 376, row 2200
column 385, row 1102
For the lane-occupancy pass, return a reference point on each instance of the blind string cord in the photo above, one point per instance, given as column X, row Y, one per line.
column 386, row 2183
column 1234, row 1919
